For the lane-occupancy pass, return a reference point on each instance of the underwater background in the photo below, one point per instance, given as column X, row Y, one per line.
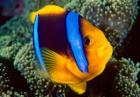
column 118, row 19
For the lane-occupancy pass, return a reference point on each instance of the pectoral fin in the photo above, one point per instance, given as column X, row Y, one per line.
column 56, row 68
column 79, row 88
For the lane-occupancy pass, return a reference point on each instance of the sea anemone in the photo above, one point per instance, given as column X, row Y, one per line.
column 126, row 82
column 7, row 78
column 17, row 29
column 10, row 52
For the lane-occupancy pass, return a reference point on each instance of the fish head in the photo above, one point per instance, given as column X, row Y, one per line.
column 97, row 48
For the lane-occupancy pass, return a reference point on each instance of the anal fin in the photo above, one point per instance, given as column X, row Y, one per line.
column 79, row 88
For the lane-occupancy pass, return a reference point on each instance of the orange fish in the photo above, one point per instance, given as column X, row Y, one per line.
column 70, row 50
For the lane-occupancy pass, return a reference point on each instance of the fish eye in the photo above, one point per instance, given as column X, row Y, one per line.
column 88, row 41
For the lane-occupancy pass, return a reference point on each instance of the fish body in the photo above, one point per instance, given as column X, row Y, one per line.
column 70, row 50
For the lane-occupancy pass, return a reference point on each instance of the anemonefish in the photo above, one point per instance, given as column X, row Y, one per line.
column 69, row 49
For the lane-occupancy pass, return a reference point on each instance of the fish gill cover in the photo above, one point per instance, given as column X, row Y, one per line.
column 119, row 19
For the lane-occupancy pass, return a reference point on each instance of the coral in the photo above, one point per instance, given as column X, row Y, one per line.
column 108, row 15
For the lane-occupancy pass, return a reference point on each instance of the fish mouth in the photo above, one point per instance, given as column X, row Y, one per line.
column 104, row 50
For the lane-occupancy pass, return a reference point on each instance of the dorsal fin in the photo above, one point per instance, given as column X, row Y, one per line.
column 49, row 9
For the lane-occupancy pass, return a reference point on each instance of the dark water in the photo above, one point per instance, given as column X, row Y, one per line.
column 132, row 43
